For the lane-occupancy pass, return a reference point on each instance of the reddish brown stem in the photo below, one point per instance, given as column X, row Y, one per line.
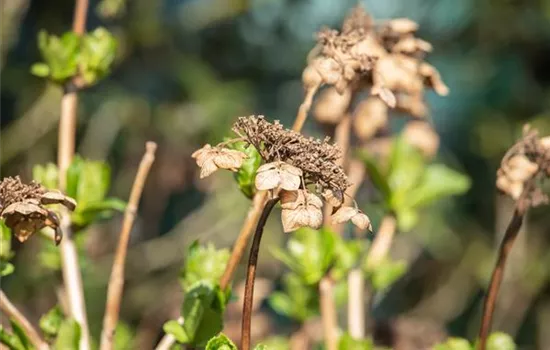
column 496, row 278
column 116, row 282
column 251, row 275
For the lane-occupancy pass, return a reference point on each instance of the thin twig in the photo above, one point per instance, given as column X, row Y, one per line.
column 11, row 311
column 116, row 282
column 356, row 303
column 496, row 278
column 66, row 148
column 251, row 275
column 328, row 313
column 304, row 109
column 382, row 242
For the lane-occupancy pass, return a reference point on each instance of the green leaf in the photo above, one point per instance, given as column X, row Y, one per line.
column 124, row 337
column 97, row 55
column 346, row 256
column 298, row 300
column 5, row 242
column 500, row 341
column 10, row 340
column 174, row 328
column 281, row 303
column 377, row 175
column 68, row 337
column 73, row 175
column 98, row 211
column 247, row 172
column 407, row 218
column 50, row 323
column 260, row 347
column 347, row 342
column 309, row 253
column 40, row 70
column 6, row 268
column 46, row 175
column 203, row 263
column 20, row 333
column 221, row 342
column 202, row 311
column 438, row 181
column 276, row 343
column 93, row 183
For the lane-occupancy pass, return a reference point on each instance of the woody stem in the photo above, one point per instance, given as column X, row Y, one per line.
column 251, row 274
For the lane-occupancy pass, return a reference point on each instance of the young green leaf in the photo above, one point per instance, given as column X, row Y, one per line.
column 297, row 301
column 46, row 175
column 203, row 264
column 124, row 337
column 60, row 55
column 247, row 172
column 261, row 347
column 500, row 341
column 221, row 342
column 40, row 70
column 50, row 323
column 378, row 176
column 97, row 54
column 20, row 333
column 386, row 273
column 454, row 343
column 6, row 268
column 5, row 242
column 173, row 328
column 68, row 337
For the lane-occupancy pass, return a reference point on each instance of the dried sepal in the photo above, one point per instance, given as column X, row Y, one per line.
column 334, row 198
column 278, row 174
column 300, row 209
column 56, row 197
column 357, row 217
column 210, row 159
column 433, row 79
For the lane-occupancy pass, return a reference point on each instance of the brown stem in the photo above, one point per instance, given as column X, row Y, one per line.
column 251, row 274
column 304, row 109
column 382, row 242
column 11, row 311
column 66, row 148
column 328, row 313
column 116, row 282
column 244, row 236
column 356, row 303
column 496, row 278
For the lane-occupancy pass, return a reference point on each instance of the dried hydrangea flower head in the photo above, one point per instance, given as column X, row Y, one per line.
column 22, row 208
column 293, row 164
column 523, row 166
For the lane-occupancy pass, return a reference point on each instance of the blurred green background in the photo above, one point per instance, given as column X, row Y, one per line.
column 187, row 68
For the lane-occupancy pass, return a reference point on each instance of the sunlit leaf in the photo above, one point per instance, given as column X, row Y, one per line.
column 247, row 172
column 50, row 323
column 347, row 342
column 221, row 342
column 203, row 263
column 68, row 337
column 10, row 340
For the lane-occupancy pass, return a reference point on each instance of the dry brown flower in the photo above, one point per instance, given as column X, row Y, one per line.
column 278, row 174
column 422, row 136
column 357, row 217
column 371, row 115
column 210, row 159
column 316, row 158
column 301, row 208
column 331, row 106
column 523, row 166
column 22, row 208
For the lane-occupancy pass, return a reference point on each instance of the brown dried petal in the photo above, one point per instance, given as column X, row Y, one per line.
column 368, row 46
column 229, row 159
column 331, row 106
column 334, row 198
column 362, row 221
column 512, row 188
column 422, row 136
column 201, row 153
column 329, row 70
column 371, row 115
column 291, row 199
column 208, row 168
column 384, row 94
column 24, row 218
column 434, row 79
column 273, row 175
column 300, row 208
column 519, row 168
column 56, row 197
column 410, row 45
column 344, row 214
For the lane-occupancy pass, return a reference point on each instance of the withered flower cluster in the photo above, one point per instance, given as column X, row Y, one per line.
column 523, row 166
column 293, row 162
column 386, row 60
column 22, row 207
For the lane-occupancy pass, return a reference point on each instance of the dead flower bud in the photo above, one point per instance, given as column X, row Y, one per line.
column 422, row 136
column 399, row 73
column 402, row 26
column 311, row 79
column 278, row 174
column 329, row 70
column 371, row 115
column 512, row 188
column 334, row 198
column 357, row 217
column 411, row 45
column 384, row 94
column 545, row 143
column 413, row 105
column 210, row 159
column 331, row 106
column 300, row 209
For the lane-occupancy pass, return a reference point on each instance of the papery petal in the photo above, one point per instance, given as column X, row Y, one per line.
column 344, row 214
column 294, row 219
column 208, row 167
column 314, row 217
column 291, row 199
column 313, row 200
column 362, row 221
column 267, row 179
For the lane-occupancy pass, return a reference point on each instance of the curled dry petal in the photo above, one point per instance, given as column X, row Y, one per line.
column 334, row 198
column 56, row 197
column 433, row 79
column 300, row 209
column 211, row 159
column 357, row 217
column 384, row 94
column 512, row 188
column 402, row 26
column 278, row 174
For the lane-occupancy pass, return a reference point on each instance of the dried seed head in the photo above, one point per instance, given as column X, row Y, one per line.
column 317, row 159
column 413, row 105
column 422, row 136
column 210, row 159
column 22, row 208
column 300, row 209
column 526, row 163
column 402, row 26
column 278, row 174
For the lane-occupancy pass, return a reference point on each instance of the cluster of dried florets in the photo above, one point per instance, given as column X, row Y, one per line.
column 22, row 207
column 387, row 60
column 292, row 163
column 527, row 162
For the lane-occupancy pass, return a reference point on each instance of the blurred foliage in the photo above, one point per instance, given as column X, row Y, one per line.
column 246, row 174
column 6, row 252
